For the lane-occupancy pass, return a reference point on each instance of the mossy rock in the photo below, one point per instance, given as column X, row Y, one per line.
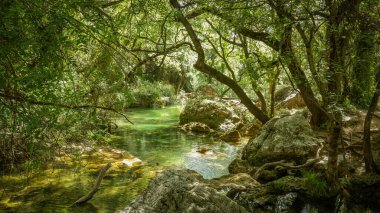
column 238, row 166
column 231, row 136
column 364, row 189
column 212, row 112
column 287, row 184
column 282, row 138
column 196, row 127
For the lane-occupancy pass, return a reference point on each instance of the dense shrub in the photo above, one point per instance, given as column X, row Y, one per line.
column 151, row 94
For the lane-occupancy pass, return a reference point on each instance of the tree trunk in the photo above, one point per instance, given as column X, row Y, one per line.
column 319, row 116
column 335, row 128
column 272, row 89
column 370, row 165
column 263, row 103
column 206, row 69
column 245, row 100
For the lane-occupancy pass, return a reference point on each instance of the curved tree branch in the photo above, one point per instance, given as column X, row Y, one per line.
column 20, row 98
column 203, row 67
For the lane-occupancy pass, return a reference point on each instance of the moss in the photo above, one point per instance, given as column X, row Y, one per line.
column 287, row 184
column 278, row 185
column 315, row 185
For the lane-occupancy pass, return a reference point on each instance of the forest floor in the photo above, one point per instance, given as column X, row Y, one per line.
column 351, row 146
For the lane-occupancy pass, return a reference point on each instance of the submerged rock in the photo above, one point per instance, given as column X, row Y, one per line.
column 282, row 138
column 231, row 136
column 196, row 127
column 182, row 191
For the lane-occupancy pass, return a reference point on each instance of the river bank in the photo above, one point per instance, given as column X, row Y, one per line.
column 154, row 139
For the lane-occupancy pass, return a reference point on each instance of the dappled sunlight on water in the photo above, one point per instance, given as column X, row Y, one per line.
column 138, row 153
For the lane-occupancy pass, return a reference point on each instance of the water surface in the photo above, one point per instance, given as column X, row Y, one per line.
column 154, row 139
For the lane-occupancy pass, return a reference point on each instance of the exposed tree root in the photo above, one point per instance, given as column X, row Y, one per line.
column 282, row 163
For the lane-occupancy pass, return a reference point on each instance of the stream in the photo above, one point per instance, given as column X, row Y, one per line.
column 138, row 153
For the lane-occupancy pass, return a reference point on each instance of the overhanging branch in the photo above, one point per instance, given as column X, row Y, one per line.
column 60, row 105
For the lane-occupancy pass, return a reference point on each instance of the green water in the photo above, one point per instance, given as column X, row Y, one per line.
column 154, row 139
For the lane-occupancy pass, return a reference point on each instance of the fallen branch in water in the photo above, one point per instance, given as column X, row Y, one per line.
column 96, row 187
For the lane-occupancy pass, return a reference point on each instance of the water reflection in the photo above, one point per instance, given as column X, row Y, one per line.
column 154, row 139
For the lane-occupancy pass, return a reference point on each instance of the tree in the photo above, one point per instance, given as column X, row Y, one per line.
column 370, row 165
column 319, row 68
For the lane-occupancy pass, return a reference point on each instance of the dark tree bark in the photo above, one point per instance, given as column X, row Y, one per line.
column 338, row 12
column 272, row 90
column 263, row 103
column 370, row 165
column 319, row 115
column 245, row 100
column 335, row 129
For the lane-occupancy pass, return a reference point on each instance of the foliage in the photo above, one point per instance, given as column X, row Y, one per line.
column 315, row 185
column 278, row 185
column 56, row 56
column 151, row 94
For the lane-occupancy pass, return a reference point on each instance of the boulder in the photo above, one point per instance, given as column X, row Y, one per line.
column 257, row 200
column 215, row 113
column 285, row 202
column 364, row 189
column 282, row 138
column 231, row 136
column 238, row 166
column 239, row 181
column 252, row 129
column 276, row 196
column 196, row 127
column 288, row 98
column 182, row 191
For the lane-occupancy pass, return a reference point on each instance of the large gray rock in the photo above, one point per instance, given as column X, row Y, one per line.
column 182, row 191
column 283, row 138
column 288, row 98
column 212, row 112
